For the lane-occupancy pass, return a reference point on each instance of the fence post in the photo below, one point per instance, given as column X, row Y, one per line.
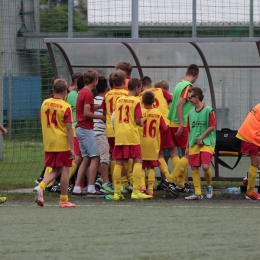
column 135, row 19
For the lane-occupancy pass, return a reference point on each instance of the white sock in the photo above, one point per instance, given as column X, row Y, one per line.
column 77, row 189
column 91, row 188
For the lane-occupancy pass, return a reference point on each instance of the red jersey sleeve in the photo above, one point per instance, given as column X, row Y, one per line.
column 184, row 93
column 163, row 126
column 167, row 96
column 212, row 119
column 138, row 111
column 89, row 99
column 103, row 105
column 68, row 116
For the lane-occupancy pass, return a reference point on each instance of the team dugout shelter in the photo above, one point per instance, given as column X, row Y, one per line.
column 229, row 69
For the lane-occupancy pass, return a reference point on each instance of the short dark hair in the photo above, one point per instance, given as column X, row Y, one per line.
column 118, row 78
column 75, row 76
column 148, row 98
column 146, row 81
column 134, row 82
column 125, row 66
column 102, row 85
column 89, row 76
column 80, row 83
column 110, row 80
column 59, row 85
column 197, row 92
column 193, row 70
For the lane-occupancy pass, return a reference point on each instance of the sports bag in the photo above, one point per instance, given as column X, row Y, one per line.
column 226, row 141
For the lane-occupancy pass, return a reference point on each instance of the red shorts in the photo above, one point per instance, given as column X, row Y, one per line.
column 111, row 142
column 127, row 151
column 57, row 159
column 179, row 141
column 76, row 146
column 249, row 148
column 197, row 160
column 151, row 164
column 166, row 139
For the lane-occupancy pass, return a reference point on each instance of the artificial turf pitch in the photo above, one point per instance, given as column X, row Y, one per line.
column 164, row 228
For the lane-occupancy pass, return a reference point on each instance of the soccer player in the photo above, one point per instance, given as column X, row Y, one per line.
column 162, row 99
column 86, row 135
column 201, row 142
column 4, row 133
column 127, row 68
column 56, row 120
column 248, row 133
column 102, row 142
column 127, row 117
column 150, row 137
column 74, row 79
column 108, row 105
column 178, row 113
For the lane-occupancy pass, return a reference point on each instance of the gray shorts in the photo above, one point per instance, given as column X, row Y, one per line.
column 87, row 142
column 103, row 149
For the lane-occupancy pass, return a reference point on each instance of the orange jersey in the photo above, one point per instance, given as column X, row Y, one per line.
column 55, row 113
column 150, row 136
column 126, row 83
column 126, row 111
column 249, row 130
column 110, row 103
column 161, row 100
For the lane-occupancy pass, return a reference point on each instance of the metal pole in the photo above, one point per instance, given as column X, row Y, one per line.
column 1, row 74
column 251, row 26
column 135, row 19
column 37, row 15
column 194, row 18
column 10, row 104
column 70, row 18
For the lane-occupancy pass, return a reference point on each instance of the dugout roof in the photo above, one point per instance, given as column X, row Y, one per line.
column 163, row 58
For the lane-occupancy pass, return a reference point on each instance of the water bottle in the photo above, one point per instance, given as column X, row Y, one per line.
column 233, row 190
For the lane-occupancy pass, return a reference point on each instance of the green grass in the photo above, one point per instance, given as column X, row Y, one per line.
column 165, row 228
column 23, row 161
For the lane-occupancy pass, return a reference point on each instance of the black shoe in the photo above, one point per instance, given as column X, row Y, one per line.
column 38, row 180
column 160, row 186
column 187, row 185
column 182, row 190
column 170, row 187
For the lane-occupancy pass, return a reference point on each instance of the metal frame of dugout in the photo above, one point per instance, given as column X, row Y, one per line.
column 128, row 43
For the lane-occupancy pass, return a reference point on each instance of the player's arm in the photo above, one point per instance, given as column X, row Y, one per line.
column 88, row 113
column 187, row 145
column 3, row 130
column 138, row 115
column 212, row 126
column 68, row 122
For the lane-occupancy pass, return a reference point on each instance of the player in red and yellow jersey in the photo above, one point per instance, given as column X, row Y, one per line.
column 58, row 142
column 108, row 106
column 127, row 117
column 161, row 102
column 150, row 136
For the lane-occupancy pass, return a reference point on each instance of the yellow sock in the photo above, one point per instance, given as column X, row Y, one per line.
column 181, row 171
column 72, row 169
column 64, row 198
column 47, row 171
column 174, row 174
column 129, row 171
column 151, row 180
column 252, row 172
column 42, row 185
column 124, row 181
column 137, row 171
column 142, row 178
column 111, row 170
column 117, row 178
column 164, row 168
column 196, row 181
column 208, row 177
